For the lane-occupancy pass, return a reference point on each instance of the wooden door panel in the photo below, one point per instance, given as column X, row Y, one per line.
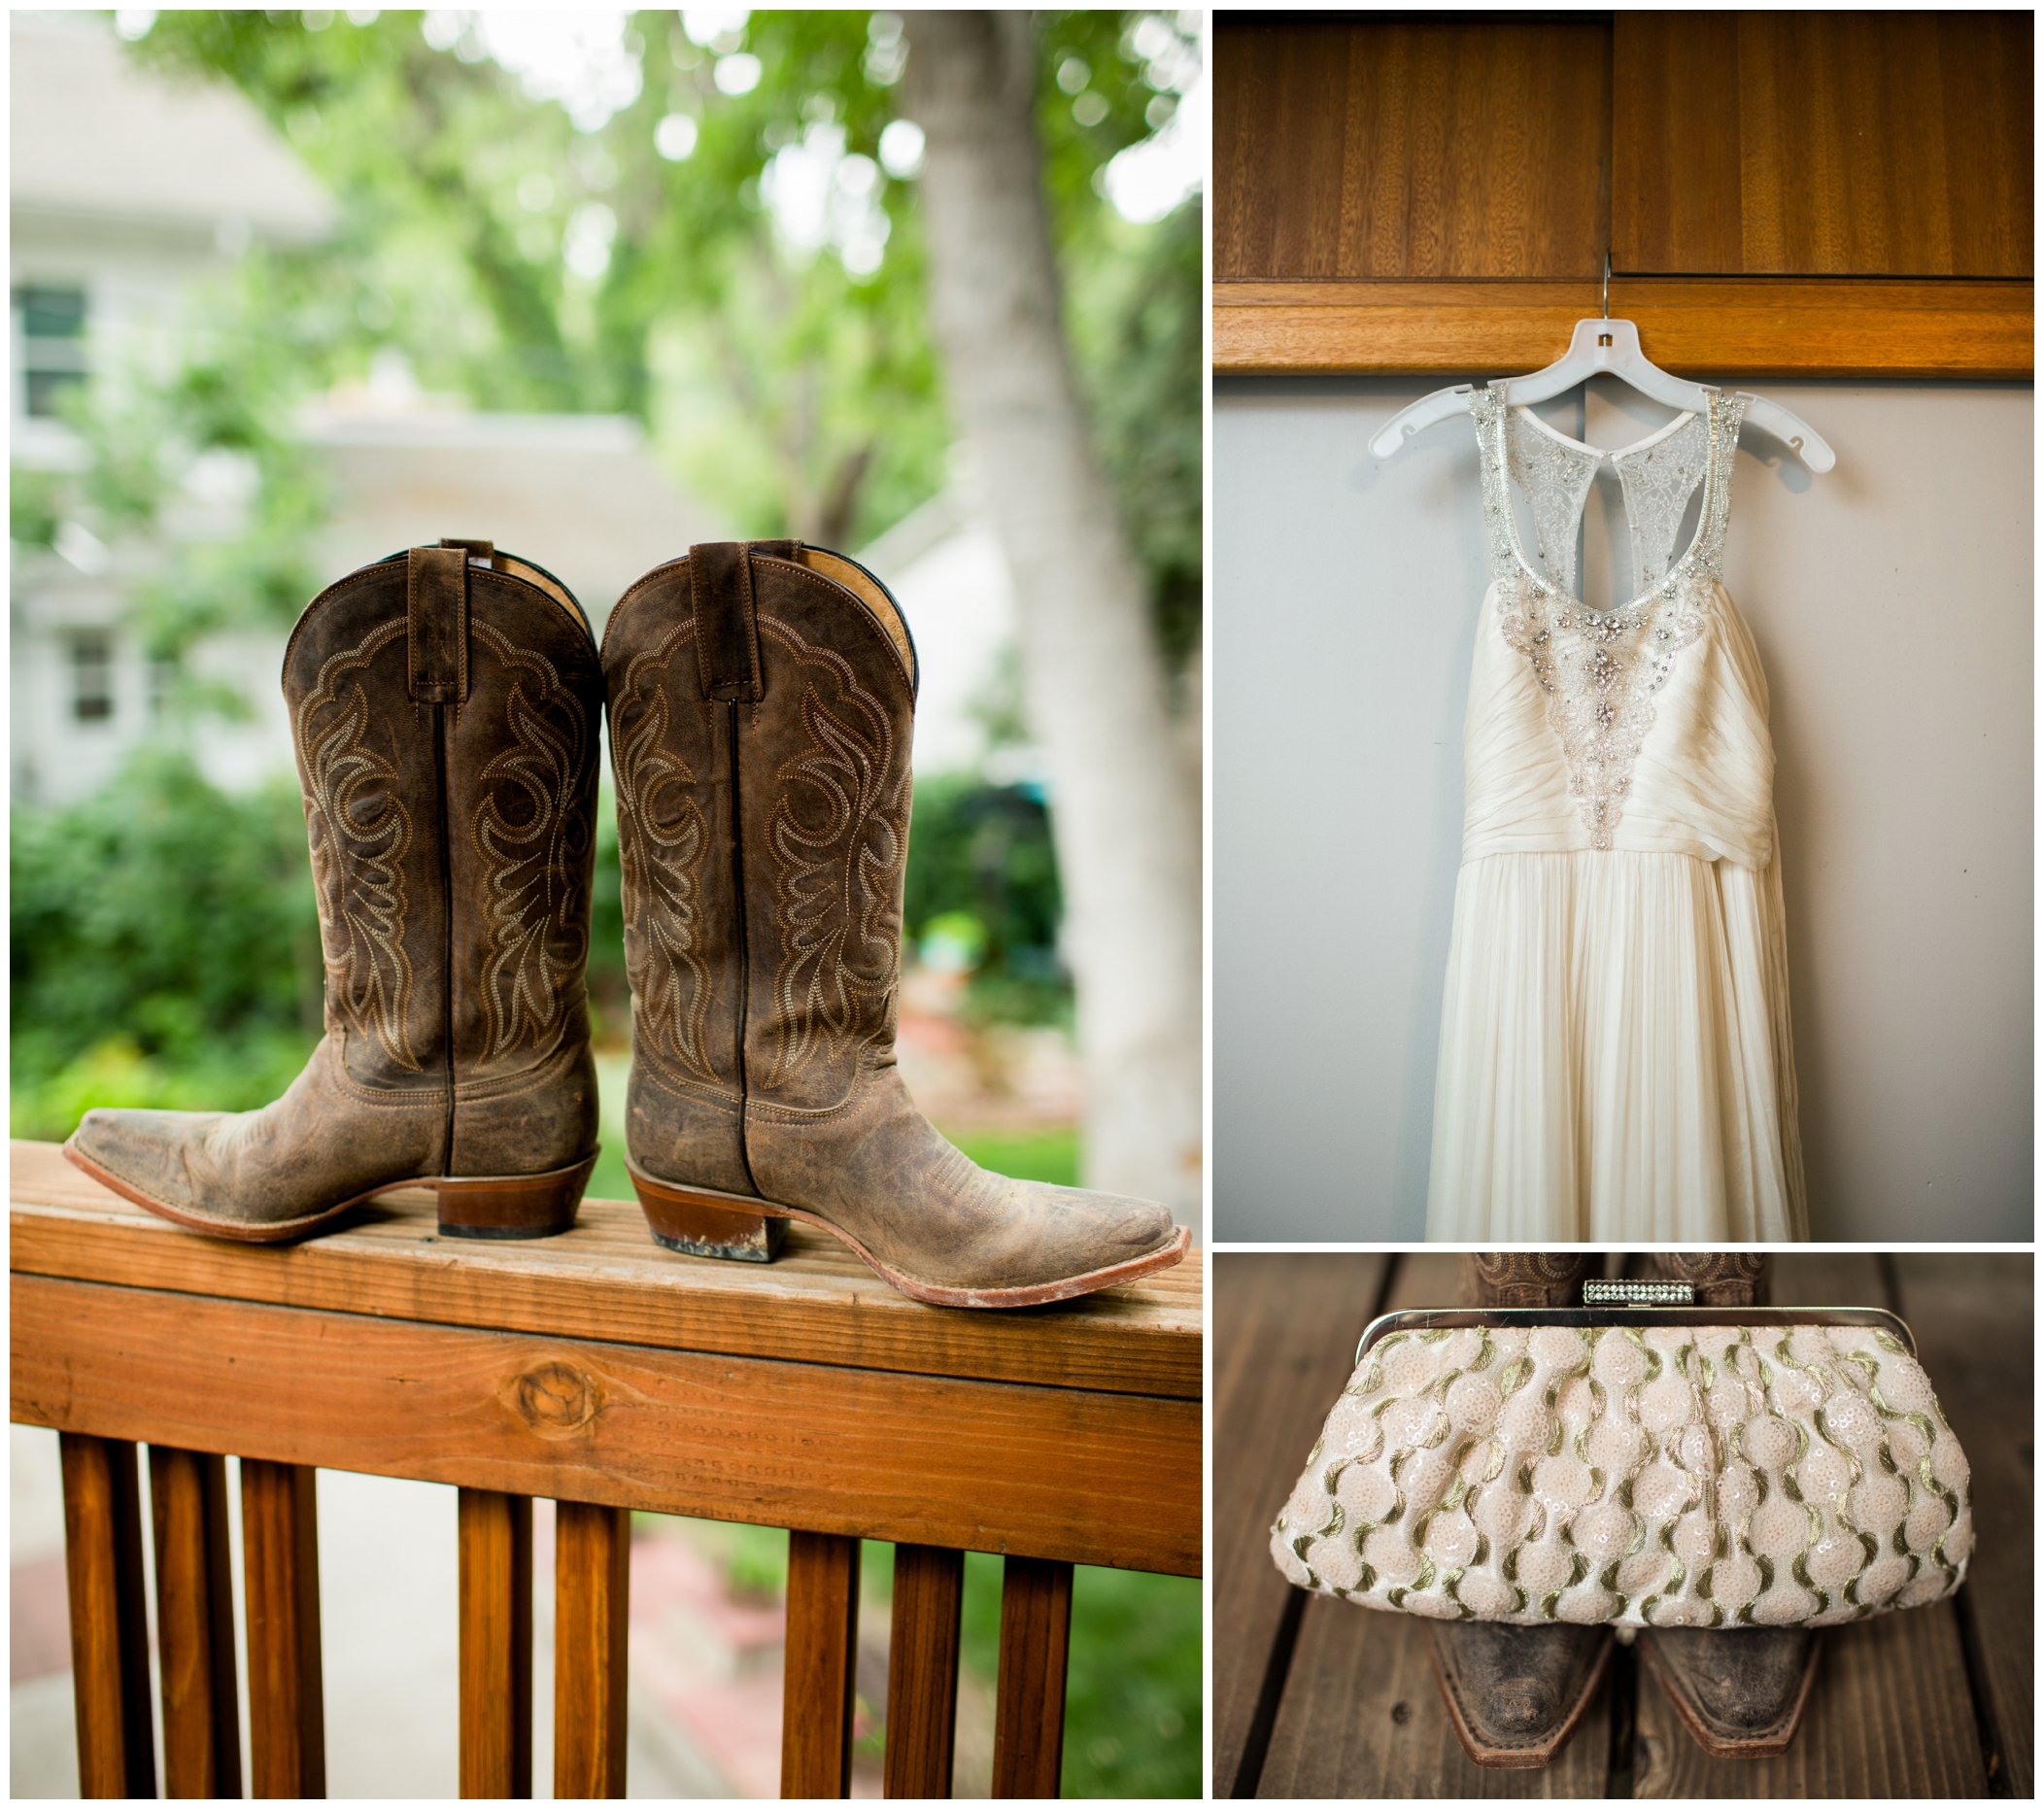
column 1822, row 144
column 1385, row 150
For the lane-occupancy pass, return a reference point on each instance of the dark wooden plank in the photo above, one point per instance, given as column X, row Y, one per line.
column 1096, row 1479
column 1285, row 1328
column 1834, row 143
column 281, row 1588
column 591, row 1621
column 1743, row 329
column 1399, row 148
column 1973, row 1316
column 818, row 1676
column 922, row 1670
column 607, row 1280
column 187, row 1491
column 116, row 1754
column 494, row 1532
column 1889, row 1716
column 1029, row 1706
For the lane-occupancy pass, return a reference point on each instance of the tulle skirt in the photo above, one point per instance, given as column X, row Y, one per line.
column 1614, row 1054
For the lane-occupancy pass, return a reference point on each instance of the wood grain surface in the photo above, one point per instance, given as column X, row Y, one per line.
column 1393, row 147
column 188, row 1496
column 1029, row 1690
column 922, row 1670
column 1737, row 328
column 1930, row 1702
column 819, row 1673
column 494, row 1533
column 1973, row 1318
column 281, row 1599
column 1284, row 1329
column 117, row 1748
column 606, row 1279
column 1065, row 1473
column 1841, row 143
column 591, row 1623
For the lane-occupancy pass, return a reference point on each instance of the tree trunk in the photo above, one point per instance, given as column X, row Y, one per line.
column 1125, row 821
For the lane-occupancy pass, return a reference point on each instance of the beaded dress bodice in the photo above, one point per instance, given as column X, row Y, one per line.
column 1601, row 679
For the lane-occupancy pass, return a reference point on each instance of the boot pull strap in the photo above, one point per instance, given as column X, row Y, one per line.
column 436, row 621
column 726, row 630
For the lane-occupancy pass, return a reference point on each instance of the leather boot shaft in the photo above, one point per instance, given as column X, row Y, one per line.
column 445, row 705
column 761, row 710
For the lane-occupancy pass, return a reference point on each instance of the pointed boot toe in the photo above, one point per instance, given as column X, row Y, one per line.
column 141, row 1154
column 762, row 701
column 1740, row 1691
column 1515, row 1694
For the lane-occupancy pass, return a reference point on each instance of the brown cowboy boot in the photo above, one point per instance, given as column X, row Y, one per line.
column 1739, row 1690
column 762, row 700
column 444, row 707
column 1515, row 1694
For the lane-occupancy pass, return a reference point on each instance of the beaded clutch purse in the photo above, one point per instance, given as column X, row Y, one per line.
column 1636, row 1461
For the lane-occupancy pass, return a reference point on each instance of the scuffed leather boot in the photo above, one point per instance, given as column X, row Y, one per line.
column 1515, row 1694
column 1740, row 1691
column 762, row 700
column 444, row 708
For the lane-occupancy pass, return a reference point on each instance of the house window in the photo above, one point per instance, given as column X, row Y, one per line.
column 49, row 332
column 93, row 677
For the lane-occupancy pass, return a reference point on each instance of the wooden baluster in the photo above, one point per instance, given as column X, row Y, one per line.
column 280, row 1546
column 592, row 1619
column 496, row 1536
column 922, row 1669
column 823, row 1651
column 117, row 1748
column 188, row 1493
column 1029, row 1712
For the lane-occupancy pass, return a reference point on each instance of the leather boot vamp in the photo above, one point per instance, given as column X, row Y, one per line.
column 1743, row 1682
column 878, row 1170
column 327, row 1139
column 1515, row 1687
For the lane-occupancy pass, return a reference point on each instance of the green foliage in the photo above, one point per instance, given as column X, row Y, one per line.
column 983, row 852
column 164, row 947
column 796, row 395
column 1050, row 1154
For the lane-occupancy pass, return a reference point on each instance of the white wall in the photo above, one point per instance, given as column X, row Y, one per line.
column 1892, row 601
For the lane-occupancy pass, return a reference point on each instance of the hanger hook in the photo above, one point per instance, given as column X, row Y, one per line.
column 1606, row 282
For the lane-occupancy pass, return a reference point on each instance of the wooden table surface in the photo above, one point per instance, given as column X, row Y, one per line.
column 1316, row 1698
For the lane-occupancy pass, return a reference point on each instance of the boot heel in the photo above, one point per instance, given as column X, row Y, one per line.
column 513, row 1206
column 699, row 1222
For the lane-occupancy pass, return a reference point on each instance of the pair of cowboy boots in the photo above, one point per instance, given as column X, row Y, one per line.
column 445, row 705
column 1515, row 1694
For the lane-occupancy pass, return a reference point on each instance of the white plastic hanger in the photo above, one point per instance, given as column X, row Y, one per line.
column 1612, row 346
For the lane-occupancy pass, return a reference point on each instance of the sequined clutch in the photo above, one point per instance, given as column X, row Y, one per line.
column 1647, row 1464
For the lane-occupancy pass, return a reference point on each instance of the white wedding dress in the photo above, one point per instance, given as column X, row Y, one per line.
column 1614, row 1052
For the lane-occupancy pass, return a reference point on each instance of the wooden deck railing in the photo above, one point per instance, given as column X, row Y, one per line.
column 607, row 1375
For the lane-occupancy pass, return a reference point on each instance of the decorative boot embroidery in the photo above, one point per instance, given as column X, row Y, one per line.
column 662, row 842
column 839, row 841
column 360, row 833
column 535, row 852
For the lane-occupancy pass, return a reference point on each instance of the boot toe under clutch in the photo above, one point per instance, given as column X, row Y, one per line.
column 761, row 703
column 444, row 705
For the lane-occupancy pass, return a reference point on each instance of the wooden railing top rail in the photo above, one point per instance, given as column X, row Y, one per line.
column 595, row 1367
column 606, row 1279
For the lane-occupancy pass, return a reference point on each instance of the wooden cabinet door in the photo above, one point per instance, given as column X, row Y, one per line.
column 1821, row 144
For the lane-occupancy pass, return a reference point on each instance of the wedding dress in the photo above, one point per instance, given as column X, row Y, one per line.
column 1615, row 1053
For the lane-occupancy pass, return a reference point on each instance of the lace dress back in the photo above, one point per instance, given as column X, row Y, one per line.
column 1614, row 1054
